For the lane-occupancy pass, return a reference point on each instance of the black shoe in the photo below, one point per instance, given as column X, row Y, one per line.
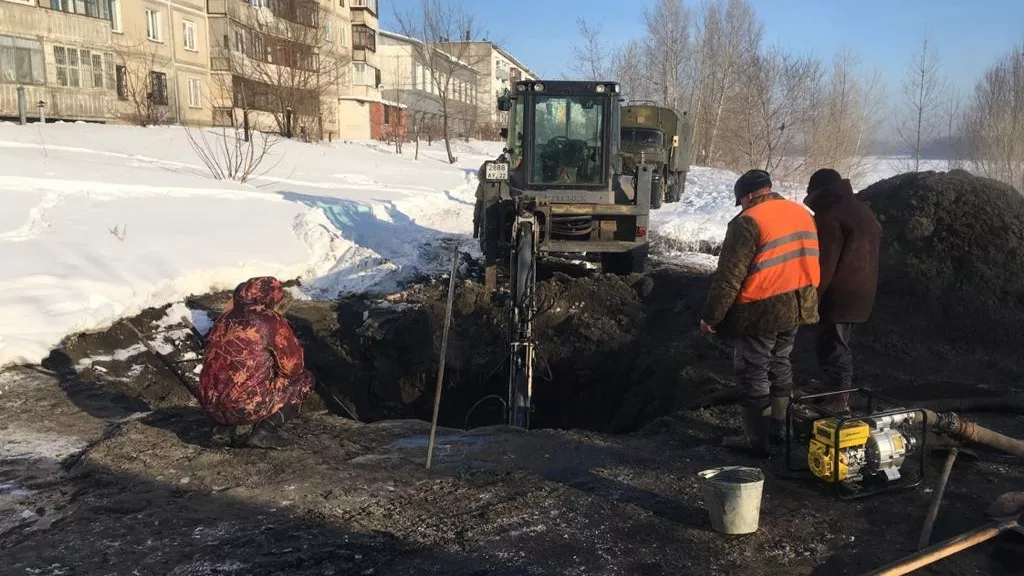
column 265, row 435
column 222, row 436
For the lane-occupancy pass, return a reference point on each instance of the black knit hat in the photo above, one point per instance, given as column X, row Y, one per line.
column 751, row 181
column 821, row 178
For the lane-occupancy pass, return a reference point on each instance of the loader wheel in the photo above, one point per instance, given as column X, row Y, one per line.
column 657, row 193
column 625, row 263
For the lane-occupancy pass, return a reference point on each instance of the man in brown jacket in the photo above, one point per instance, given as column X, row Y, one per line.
column 765, row 288
column 850, row 237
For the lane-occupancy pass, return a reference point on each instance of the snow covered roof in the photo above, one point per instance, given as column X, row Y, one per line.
column 409, row 40
column 377, row 100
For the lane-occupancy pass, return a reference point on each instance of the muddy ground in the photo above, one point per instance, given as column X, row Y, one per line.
column 105, row 466
column 131, row 486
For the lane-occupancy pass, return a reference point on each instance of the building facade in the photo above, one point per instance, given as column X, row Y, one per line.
column 62, row 57
column 497, row 71
column 162, row 61
column 308, row 66
column 427, row 82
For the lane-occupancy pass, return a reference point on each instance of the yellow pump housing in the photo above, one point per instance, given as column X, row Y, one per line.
column 853, row 438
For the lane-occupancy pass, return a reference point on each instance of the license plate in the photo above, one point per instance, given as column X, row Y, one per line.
column 496, row 171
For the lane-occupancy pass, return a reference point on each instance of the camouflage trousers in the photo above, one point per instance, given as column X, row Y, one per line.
column 257, row 403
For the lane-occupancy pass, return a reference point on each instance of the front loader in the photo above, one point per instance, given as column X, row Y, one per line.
column 557, row 189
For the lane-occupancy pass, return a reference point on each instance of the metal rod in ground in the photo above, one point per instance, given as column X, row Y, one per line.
column 444, row 355
column 933, row 508
column 163, row 360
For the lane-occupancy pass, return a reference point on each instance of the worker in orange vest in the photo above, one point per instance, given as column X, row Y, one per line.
column 765, row 288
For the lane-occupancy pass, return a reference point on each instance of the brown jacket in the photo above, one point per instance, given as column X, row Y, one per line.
column 849, row 236
column 761, row 317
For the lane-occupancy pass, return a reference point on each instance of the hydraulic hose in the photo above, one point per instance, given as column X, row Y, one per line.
column 951, row 424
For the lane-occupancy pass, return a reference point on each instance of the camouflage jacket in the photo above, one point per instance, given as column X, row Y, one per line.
column 251, row 353
column 769, row 316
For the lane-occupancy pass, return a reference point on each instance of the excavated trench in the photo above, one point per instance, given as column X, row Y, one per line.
column 612, row 352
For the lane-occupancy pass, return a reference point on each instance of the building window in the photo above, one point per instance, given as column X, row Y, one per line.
column 21, row 61
column 370, row 5
column 364, row 38
column 97, row 69
column 158, row 88
column 239, row 40
column 328, row 31
column 152, row 25
column 115, row 16
column 341, row 36
column 90, row 8
column 66, row 61
column 188, row 34
column 387, row 115
column 121, row 82
column 363, row 74
column 194, row 93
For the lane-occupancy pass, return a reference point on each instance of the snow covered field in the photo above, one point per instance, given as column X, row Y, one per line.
column 100, row 222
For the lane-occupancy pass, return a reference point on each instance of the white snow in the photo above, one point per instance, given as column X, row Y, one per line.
column 101, row 222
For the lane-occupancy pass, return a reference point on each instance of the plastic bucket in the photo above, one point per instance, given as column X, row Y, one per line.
column 732, row 497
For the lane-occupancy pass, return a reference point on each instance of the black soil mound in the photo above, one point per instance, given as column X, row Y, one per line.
column 952, row 265
column 600, row 339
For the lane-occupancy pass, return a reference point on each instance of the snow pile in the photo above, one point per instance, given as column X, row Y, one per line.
column 101, row 222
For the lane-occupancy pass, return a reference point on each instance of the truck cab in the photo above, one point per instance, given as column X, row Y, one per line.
column 562, row 164
column 659, row 136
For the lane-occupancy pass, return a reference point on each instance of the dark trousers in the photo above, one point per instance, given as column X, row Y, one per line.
column 762, row 364
column 834, row 354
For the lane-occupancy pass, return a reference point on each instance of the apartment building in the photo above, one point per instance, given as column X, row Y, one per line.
column 497, row 71
column 139, row 61
column 162, row 61
column 307, row 65
column 411, row 73
column 61, row 54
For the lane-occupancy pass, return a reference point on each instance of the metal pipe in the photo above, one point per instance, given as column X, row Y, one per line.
column 951, row 424
column 933, row 508
column 444, row 355
column 945, row 548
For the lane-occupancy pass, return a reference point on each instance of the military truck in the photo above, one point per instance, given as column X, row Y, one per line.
column 657, row 136
column 561, row 178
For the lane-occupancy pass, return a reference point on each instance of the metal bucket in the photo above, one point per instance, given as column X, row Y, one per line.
column 732, row 497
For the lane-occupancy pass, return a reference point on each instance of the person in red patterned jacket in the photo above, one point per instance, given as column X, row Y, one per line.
column 253, row 369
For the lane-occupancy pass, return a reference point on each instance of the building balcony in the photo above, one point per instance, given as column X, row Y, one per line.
column 364, row 5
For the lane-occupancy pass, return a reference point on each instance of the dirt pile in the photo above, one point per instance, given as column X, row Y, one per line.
column 952, row 265
column 600, row 339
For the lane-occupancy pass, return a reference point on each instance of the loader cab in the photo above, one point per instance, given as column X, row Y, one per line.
column 563, row 134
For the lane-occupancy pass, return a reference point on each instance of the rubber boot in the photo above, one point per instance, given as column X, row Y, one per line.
column 839, row 403
column 754, row 439
column 777, row 428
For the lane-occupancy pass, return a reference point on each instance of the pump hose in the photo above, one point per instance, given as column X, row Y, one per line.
column 951, row 424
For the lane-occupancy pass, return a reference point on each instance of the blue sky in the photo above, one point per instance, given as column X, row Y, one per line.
column 968, row 34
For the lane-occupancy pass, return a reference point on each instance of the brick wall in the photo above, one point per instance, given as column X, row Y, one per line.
column 390, row 130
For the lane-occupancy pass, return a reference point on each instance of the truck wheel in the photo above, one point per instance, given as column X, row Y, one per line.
column 625, row 263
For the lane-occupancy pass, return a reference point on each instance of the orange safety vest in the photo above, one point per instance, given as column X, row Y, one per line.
column 787, row 251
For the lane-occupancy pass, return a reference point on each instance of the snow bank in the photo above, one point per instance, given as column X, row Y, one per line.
column 101, row 222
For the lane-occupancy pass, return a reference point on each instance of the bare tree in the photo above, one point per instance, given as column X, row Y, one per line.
column 992, row 126
column 731, row 37
column 923, row 87
column 778, row 104
column 141, row 83
column 591, row 59
column 230, row 153
column 845, row 111
column 399, row 91
column 951, row 111
column 292, row 67
column 441, row 32
column 667, row 51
